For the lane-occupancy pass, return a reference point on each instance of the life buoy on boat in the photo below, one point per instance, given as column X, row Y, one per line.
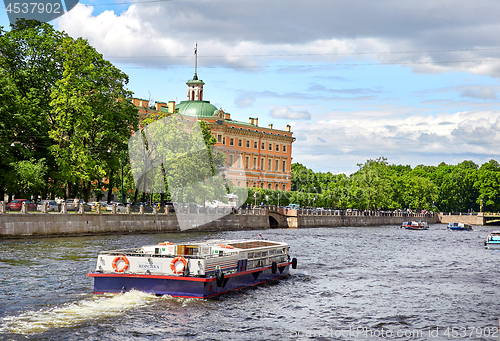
column 226, row 246
column 173, row 264
column 116, row 260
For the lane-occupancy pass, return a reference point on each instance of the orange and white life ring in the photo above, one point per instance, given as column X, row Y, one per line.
column 226, row 246
column 173, row 265
column 116, row 260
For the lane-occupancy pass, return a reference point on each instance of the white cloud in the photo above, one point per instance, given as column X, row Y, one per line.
column 245, row 101
column 428, row 36
column 290, row 114
column 483, row 93
column 331, row 144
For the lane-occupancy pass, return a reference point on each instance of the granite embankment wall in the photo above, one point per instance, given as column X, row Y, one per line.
column 376, row 219
column 16, row 225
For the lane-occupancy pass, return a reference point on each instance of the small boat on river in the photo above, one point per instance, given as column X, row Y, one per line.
column 415, row 225
column 459, row 227
column 194, row 270
column 493, row 240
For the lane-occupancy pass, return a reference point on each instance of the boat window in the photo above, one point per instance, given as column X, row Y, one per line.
column 157, row 250
column 271, row 252
column 264, row 254
column 250, row 255
column 256, row 254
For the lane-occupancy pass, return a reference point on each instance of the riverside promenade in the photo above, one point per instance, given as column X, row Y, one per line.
column 26, row 224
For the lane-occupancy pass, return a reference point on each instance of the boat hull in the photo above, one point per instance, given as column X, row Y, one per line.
column 459, row 227
column 178, row 286
column 492, row 245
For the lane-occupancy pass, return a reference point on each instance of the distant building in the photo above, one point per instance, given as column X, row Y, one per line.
column 256, row 156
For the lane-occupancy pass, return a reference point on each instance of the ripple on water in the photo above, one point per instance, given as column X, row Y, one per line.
column 375, row 278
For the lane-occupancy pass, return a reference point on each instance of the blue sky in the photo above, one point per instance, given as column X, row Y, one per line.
column 414, row 81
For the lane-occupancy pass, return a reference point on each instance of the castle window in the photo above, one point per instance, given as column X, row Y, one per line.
column 270, row 146
column 231, row 142
column 277, row 147
column 239, row 142
column 255, row 144
column 248, row 144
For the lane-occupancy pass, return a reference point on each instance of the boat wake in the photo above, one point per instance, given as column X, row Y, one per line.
column 74, row 313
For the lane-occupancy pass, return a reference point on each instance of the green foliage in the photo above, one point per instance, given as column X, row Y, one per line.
column 378, row 185
column 183, row 162
column 488, row 186
column 93, row 116
column 65, row 104
column 29, row 176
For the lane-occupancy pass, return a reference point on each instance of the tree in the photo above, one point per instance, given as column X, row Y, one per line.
column 9, row 98
column 93, row 117
column 374, row 180
column 30, row 176
column 28, row 55
column 488, row 186
column 174, row 155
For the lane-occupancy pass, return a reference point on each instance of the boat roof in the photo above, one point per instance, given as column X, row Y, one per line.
column 236, row 244
column 243, row 244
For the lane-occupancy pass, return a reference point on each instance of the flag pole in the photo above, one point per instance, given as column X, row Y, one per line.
column 195, row 59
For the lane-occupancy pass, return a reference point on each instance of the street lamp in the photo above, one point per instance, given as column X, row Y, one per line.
column 313, row 201
column 255, row 198
column 278, row 200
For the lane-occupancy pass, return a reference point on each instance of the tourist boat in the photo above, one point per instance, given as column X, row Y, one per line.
column 493, row 240
column 459, row 227
column 415, row 225
column 194, row 270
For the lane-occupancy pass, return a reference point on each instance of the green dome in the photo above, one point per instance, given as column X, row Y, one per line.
column 197, row 108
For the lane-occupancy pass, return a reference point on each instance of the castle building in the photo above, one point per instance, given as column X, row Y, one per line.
column 255, row 156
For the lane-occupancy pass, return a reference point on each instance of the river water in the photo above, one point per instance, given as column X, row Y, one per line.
column 371, row 283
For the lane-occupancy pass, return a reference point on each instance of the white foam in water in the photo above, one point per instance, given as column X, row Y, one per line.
column 74, row 313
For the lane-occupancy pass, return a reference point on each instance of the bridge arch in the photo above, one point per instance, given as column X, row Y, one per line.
column 277, row 220
column 273, row 223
